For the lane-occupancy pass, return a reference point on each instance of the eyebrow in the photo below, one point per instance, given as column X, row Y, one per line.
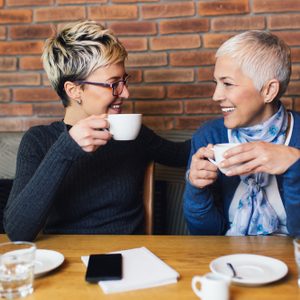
column 117, row 77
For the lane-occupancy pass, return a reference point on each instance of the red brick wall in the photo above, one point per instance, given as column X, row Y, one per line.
column 171, row 48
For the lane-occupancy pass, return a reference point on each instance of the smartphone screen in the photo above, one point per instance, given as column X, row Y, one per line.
column 104, row 267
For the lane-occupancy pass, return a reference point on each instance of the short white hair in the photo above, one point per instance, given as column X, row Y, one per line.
column 262, row 56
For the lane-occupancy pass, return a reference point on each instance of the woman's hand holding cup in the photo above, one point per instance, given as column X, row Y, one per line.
column 91, row 133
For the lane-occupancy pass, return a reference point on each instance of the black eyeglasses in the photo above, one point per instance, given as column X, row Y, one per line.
column 117, row 87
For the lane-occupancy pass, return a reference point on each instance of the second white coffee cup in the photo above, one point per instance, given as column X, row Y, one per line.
column 124, row 127
column 211, row 287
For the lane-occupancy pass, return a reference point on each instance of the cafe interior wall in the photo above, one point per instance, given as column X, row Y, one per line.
column 171, row 48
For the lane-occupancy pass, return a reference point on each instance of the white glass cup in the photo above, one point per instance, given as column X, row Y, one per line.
column 211, row 287
column 296, row 242
column 124, row 127
column 219, row 150
column 16, row 269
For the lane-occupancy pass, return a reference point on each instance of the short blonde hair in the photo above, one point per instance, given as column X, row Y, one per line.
column 262, row 56
column 76, row 51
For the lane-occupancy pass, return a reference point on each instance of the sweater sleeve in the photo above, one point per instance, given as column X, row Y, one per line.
column 202, row 213
column 173, row 154
column 39, row 175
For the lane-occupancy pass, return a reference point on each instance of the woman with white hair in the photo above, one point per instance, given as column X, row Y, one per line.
column 262, row 195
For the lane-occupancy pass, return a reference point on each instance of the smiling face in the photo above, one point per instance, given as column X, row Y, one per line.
column 97, row 100
column 241, row 103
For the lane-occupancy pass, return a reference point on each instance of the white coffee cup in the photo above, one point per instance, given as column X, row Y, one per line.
column 219, row 150
column 124, row 127
column 211, row 287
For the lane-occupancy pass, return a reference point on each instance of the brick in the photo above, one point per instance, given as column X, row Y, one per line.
column 2, row 33
column 214, row 40
column 114, row 12
column 146, row 92
column 5, row 95
column 45, row 80
column 297, row 104
column 11, row 124
column 1, row 3
column 169, row 75
column 293, row 88
column 132, row 1
column 30, row 63
column 35, row 95
column 191, row 123
column 295, row 54
column 198, row 90
column 15, row 109
column 292, row 38
column 134, row 44
column 35, row 31
column 204, row 106
column 288, row 21
column 170, row 10
column 199, row 58
column 29, row 2
column 80, row 1
column 268, row 6
column 133, row 28
column 20, row 48
column 184, row 26
column 48, row 110
column 159, row 107
column 14, row 79
column 10, row 16
column 162, row 123
column 66, row 13
column 238, row 23
column 135, row 76
column 8, row 63
column 146, row 59
column 295, row 72
column 205, row 73
column 175, row 42
column 228, row 7
column 29, row 122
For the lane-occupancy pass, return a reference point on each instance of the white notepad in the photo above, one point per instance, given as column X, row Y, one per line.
column 141, row 269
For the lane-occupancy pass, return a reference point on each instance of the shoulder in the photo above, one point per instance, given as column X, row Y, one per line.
column 212, row 131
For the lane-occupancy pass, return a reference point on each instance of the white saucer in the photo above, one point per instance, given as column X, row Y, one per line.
column 46, row 261
column 253, row 269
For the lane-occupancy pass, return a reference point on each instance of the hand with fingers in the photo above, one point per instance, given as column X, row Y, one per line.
column 256, row 157
column 90, row 133
column 202, row 171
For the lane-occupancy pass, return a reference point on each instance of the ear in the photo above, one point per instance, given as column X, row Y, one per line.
column 72, row 90
column 270, row 90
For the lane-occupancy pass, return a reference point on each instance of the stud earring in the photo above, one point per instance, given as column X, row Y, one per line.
column 79, row 101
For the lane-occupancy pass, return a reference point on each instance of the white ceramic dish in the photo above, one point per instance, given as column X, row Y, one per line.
column 253, row 269
column 46, row 261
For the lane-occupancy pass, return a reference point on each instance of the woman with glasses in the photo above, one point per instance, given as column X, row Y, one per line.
column 71, row 176
column 262, row 195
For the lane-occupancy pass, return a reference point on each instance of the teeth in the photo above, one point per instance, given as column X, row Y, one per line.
column 115, row 106
column 228, row 109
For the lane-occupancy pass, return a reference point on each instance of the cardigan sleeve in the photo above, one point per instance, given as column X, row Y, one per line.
column 202, row 212
column 39, row 174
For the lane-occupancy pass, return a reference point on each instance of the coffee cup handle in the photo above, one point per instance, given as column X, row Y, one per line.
column 195, row 280
column 213, row 161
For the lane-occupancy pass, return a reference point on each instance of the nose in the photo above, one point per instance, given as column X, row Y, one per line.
column 218, row 93
column 125, row 92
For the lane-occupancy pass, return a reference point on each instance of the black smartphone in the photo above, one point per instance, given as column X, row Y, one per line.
column 104, row 267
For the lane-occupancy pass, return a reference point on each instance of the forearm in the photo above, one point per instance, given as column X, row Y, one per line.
column 201, row 213
column 34, row 191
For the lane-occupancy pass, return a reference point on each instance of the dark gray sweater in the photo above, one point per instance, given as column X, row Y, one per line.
column 59, row 188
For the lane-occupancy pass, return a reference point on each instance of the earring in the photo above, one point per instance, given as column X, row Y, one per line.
column 79, row 101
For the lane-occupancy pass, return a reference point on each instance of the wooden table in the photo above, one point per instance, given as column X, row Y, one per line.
column 189, row 255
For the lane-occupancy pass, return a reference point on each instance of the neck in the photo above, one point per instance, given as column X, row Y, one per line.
column 73, row 115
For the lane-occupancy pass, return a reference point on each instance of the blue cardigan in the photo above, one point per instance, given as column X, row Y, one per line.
column 206, row 209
